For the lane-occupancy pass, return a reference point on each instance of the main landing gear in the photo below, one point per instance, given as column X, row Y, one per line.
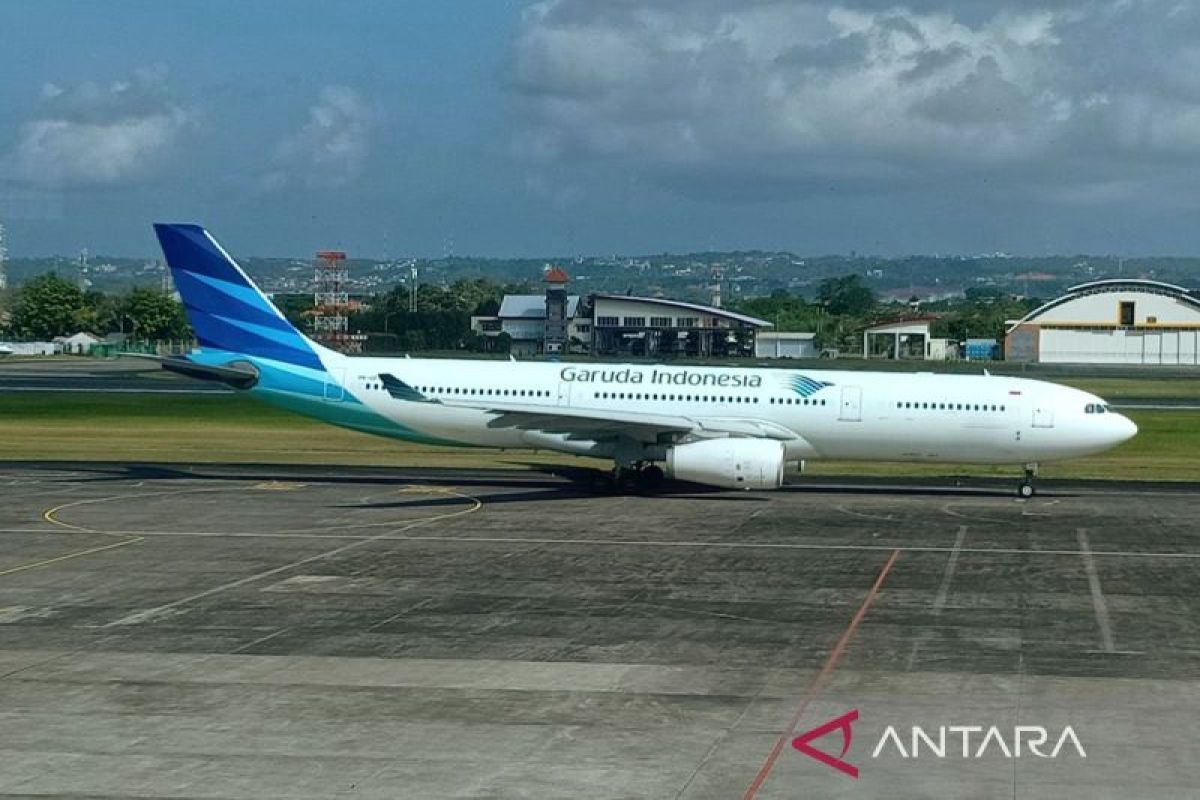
column 1026, row 489
column 641, row 478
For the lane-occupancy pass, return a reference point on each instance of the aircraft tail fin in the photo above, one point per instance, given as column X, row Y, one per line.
column 226, row 310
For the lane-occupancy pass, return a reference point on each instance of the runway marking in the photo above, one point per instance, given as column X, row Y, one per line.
column 822, row 677
column 946, row 509
column 1002, row 551
column 45, row 562
column 149, row 614
column 939, row 602
column 401, row 613
column 1099, row 605
column 50, row 515
column 864, row 515
column 259, row 640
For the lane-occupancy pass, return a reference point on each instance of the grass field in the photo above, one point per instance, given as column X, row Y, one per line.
column 229, row 428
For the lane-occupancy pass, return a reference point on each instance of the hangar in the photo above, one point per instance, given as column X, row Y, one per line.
column 1116, row 321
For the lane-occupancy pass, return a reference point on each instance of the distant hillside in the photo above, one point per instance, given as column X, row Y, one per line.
column 688, row 276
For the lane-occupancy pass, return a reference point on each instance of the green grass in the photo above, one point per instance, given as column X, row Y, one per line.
column 232, row 428
column 210, row 428
column 1147, row 388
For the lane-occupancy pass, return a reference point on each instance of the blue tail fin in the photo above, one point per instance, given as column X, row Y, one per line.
column 226, row 309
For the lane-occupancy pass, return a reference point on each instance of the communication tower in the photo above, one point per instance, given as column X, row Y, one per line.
column 3, row 254
column 331, row 302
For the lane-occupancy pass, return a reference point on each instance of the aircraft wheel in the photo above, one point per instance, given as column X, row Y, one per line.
column 628, row 481
column 1026, row 490
column 652, row 478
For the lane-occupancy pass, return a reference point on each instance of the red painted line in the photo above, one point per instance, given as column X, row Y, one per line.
column 818, row 683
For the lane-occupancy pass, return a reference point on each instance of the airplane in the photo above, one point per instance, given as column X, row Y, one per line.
column 725, row 427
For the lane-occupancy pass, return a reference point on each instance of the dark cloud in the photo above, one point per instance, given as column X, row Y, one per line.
column 704, row 95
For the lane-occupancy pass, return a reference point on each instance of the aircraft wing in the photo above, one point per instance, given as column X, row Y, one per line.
column 580, row 423
column 591, row 423
column 597, row 424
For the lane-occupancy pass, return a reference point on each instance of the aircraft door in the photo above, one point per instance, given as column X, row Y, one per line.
column 564, row 393
column 335, row 385
column 1043, row 415
column 851, row 409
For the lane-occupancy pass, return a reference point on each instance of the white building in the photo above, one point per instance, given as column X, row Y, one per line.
column 77, row 343
column 523, row 318
column 655, row 326
column 1121, row 321
column 907, row 339
column 785, row 345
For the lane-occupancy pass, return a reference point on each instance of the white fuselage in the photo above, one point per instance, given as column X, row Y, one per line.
column 824, row 414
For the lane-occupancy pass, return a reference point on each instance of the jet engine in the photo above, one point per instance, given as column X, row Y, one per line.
column 730, row 463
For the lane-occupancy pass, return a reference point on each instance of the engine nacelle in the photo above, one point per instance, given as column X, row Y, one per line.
column 729, row 463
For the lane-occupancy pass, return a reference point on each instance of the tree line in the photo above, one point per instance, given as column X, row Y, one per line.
column 844, row 305
column 49, row 305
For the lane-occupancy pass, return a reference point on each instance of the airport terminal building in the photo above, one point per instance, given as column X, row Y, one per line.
column 1120, row 321
column 618, row 325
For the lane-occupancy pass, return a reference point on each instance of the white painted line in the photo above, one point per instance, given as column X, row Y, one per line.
column 259, row 640
column 1098, row 602
column 718, row 544
column 401, row 613
column 169, row 609
column 863, row 514
column 939, row 601
column 946, row 509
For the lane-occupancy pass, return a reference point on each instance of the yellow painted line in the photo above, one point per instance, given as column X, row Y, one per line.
column 50, row 516
column 151, row 614
column 48, row 561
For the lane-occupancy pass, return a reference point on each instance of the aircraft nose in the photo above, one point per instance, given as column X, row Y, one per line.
column 1126, row 428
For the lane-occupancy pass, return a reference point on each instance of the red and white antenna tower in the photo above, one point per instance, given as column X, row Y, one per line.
column 331, row 301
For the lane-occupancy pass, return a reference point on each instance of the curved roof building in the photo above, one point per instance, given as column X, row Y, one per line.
column 1117, row 321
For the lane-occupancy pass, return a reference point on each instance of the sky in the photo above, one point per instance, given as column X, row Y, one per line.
column 577, row 127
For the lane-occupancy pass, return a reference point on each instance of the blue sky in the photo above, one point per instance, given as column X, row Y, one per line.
column 498, row 127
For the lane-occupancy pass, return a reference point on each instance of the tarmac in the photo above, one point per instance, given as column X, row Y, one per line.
column 120, row 375
column 176, row 631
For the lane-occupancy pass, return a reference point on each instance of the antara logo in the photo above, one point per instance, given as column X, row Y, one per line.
column 945, row 741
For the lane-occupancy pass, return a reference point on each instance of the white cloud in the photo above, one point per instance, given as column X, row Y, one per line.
column 776, row 91
column 94, row 134
column 331, row 148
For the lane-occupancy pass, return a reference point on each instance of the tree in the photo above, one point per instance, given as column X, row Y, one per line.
column 847, row 295
column 48, row 306
column 154, row 315
column 101, row 313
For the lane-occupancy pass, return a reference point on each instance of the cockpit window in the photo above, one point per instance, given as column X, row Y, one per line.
column 1096, row 408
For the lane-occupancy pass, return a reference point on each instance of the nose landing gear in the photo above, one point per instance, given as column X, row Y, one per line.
column 1026, row 489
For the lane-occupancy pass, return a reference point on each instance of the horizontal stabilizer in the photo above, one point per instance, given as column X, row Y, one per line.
column 238, row 374
column 401, row 390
